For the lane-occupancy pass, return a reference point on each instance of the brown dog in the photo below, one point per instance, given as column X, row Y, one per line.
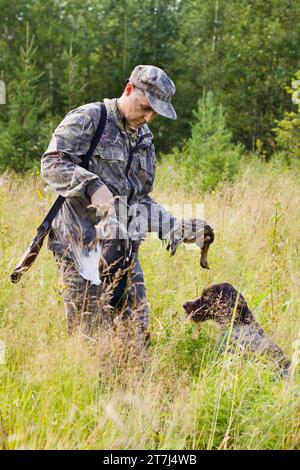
column 221, row 302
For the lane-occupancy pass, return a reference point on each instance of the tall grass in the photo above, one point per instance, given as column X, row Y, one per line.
column 188, row 395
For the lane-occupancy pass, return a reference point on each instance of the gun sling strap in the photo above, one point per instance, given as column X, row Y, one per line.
column 45, row 227
column 46, row 224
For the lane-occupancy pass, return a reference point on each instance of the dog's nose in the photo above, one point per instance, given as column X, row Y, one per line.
column 185, row 305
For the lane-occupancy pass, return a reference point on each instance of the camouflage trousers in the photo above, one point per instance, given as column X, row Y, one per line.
column 87, row 305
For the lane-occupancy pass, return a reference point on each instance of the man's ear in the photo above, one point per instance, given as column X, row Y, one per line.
column 129, row 88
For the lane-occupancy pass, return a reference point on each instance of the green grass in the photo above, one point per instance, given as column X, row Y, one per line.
column 189, row 396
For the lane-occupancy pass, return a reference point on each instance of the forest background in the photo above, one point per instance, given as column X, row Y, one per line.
column 57, row 55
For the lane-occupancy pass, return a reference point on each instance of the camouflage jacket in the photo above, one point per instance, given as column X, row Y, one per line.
column 123, row 161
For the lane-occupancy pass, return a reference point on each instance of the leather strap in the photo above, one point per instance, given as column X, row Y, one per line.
column 47, row 222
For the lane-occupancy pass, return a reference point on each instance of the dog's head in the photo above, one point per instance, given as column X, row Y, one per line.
column 219, row 302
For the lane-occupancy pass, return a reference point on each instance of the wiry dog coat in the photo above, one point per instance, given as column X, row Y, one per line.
column 221, row 302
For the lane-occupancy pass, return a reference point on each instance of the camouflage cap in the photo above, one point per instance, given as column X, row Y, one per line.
column 158, row 88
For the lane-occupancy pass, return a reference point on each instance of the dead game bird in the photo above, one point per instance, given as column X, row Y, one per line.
column 192, row 231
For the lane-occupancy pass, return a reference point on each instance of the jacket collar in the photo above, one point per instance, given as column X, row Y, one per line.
column 113, row 113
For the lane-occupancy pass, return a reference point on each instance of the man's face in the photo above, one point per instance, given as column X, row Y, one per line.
column 137, row 109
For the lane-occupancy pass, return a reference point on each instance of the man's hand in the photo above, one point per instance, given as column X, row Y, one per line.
column 189, row 231
column 102, row 204
column 102, row 196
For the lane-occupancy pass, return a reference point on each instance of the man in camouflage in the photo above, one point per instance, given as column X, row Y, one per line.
column 122, row 165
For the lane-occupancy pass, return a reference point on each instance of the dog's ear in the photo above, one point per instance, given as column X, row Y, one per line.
column 245, row 315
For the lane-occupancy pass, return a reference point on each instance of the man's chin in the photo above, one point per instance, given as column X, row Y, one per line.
column 133, row 126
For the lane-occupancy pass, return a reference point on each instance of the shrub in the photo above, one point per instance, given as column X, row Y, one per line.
column 288, row 129
column 209, row 149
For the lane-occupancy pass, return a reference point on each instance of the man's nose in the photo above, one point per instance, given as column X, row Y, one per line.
column 150, row 116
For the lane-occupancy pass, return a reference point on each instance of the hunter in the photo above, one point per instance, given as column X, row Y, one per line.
column 122, row 165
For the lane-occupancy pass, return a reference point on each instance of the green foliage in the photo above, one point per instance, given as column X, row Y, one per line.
column 244, row 51
column 209, row 151
column 24, row 135
column 73, row 86
column 288, row 129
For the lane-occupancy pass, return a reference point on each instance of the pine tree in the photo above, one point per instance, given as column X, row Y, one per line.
column 24, row 135
column 210, row 149
column 72, row 87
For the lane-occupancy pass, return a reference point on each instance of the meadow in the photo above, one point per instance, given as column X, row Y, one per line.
column 188, row 395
